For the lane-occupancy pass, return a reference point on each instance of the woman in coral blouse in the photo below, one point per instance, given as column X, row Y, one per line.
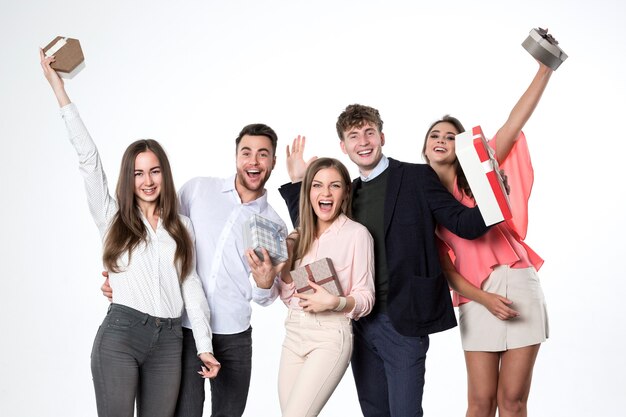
column 318, row 340
column 502, row 311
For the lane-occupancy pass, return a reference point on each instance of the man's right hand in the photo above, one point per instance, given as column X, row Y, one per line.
column 106, row 289
column 296, row 167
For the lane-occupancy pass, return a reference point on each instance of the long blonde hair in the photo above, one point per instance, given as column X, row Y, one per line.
column 308, row 218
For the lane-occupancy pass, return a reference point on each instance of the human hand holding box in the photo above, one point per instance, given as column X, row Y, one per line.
column 483, row 175
column 259, row 232
column 320, row 272
column 69, row 58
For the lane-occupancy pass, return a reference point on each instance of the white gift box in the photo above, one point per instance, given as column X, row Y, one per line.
column 69, row 58
column 259, row 232
column 544, row 48
column 483, row 175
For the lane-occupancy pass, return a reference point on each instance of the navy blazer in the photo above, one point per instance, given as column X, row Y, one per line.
column 418, row 302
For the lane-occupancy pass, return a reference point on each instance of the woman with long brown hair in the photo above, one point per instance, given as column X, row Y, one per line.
column 148, row 251
column 318, row 340
column 502, row 310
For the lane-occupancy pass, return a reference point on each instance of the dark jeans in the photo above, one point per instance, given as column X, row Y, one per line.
column 136, row 355
column 229, row 390
column 388, row 368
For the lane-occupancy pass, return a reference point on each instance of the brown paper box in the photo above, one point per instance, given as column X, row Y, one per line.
column 69, row 58
column 321, row 272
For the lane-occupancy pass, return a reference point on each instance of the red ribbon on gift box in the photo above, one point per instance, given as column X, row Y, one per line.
column 492, row 170
column 309, row 274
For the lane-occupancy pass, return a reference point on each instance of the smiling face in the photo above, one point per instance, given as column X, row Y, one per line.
column 147, row 179
column 255, row 161
column 363, row 145
column 440, row 145
column 327, row 194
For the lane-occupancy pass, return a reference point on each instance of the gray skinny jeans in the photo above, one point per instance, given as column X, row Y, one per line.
column 136, row 355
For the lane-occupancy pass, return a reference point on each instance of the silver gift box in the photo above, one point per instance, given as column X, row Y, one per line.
column 259, row 232
column 544, row 48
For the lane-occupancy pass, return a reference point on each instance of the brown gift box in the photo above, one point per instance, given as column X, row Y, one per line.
column 69, row 58
column 321, row 272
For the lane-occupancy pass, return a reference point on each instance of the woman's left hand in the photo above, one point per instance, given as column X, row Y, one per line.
column 320, row 300
column 211, row 365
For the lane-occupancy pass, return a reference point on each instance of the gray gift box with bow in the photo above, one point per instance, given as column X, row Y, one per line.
column 260, row 232
column 544, row 48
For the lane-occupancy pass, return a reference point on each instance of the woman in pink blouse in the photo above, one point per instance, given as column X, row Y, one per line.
column 318, row 340
column 502, row 311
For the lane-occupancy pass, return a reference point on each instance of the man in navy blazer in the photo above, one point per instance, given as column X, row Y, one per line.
column 400, row 204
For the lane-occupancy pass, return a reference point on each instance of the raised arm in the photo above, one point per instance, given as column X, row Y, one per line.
column 523, row 109
column 101, row 204
column 56, row 82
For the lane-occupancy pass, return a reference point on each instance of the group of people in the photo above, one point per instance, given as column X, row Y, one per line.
column 399, row 236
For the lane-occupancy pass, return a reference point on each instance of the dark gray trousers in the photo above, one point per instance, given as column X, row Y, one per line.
column 136, row 356
column 229, row 390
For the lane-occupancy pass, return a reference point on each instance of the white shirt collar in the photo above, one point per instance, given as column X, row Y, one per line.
column 380, row 167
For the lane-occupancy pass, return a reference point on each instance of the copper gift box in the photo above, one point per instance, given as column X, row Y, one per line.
column 69, row 58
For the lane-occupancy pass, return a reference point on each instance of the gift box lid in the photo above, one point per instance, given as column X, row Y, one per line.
column 544, row 48
column 68, row 54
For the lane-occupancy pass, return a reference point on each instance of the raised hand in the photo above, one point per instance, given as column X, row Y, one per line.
column 53, row 78
column 211, row 365
column 296, row 167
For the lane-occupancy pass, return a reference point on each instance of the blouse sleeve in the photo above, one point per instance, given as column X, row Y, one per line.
column 196, row 304
column 362, row 289
column 520, row 176
column 101, row 205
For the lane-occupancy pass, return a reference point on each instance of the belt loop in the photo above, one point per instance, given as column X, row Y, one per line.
column 110, row 307
column 145, row 319
column 169, row 323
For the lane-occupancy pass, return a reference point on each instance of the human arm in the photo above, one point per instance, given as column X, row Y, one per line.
column 463, row 221
column 56, row 82
column 196, row 304
column 495, row 303
column 265, row 277
column 321, row 300
column 290, row 192
column 507, row 135
column 211, row 365
column 101, row 205
column 296, row 166
column 106, row 289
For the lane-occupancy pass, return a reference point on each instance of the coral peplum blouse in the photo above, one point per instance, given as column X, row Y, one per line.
column 504, row 243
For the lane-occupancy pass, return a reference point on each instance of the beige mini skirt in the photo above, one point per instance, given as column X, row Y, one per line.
column 484, row 332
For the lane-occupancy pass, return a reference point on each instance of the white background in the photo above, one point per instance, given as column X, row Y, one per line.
column 192, row 73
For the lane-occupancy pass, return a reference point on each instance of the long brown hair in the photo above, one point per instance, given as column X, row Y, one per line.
column 308, row 219
column 127, row 228
column 461, row 180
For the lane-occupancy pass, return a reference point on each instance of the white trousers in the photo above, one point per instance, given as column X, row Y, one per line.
column 315, row 356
